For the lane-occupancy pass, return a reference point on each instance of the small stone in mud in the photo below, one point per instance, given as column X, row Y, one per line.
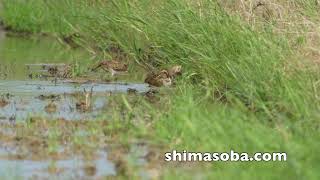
column 51, row 97
column 51, row 107
column 33, row 119
column 151, row 92
column 122, row 167
column 3, row 103
column 53, row 169
column 132, row 91
column 8, row 95
column 151, row 95
column 90, row 170
column 12, row 118
column 18, row 138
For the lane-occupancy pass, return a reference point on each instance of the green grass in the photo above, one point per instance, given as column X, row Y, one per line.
column 194, row 125
column 271, row 102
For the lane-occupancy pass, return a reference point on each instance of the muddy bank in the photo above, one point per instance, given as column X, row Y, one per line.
column 67, row 127
column 71, row 149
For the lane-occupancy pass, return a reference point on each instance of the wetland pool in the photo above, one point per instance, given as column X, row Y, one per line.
column 22, row 97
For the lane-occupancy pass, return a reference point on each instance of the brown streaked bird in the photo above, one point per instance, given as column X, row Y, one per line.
column 114, row 67
column 64, row 71
column 67, row 71
column 53, row 70
column 175, row 71
column 163, row 77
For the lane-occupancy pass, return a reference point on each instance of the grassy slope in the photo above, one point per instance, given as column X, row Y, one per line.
column 270, row 108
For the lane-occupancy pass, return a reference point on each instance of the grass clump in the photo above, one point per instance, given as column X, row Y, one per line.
column 217, row 51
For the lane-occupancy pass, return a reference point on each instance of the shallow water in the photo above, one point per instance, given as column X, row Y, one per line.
column 67, row 169
column 15, row 53
column 47, row 87
column 22, row 96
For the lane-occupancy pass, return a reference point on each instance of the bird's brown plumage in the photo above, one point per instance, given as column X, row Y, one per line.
column 158, row 79
column 163, row 77
column 114, row 65
column 3, row 102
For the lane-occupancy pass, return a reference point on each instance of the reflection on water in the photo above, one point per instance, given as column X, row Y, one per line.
column 47, row 87
column 15, row 52
column 23, row 98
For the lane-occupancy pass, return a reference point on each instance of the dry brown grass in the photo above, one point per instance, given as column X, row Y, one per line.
column 292, row 19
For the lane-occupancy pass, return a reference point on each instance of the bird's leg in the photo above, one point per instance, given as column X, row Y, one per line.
column 113, row 72
column 91, row 91
column 55, row 80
